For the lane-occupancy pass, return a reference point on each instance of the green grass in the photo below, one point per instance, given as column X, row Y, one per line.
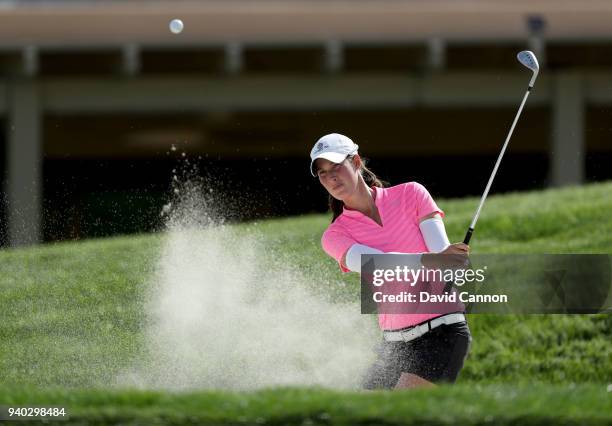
column 470, row 405
column 71, row 316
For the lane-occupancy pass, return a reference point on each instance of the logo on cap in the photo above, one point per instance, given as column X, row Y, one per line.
column 321, row 146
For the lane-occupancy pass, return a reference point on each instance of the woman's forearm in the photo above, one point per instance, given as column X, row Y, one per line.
column 434, row 234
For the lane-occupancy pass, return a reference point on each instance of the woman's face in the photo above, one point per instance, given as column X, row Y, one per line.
column 339, row 179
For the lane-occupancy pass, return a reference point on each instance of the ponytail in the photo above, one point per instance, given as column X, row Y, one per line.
column 336, row 206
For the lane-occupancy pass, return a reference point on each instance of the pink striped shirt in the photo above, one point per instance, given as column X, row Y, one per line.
column 400, row 208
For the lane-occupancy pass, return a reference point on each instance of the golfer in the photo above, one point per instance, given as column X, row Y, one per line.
column 417, row 349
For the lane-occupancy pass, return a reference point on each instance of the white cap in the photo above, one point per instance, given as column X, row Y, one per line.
column 333, row 147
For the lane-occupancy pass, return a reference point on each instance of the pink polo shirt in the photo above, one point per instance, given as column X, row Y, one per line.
column 400, row 207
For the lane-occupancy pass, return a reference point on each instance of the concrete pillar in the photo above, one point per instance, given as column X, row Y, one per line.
column 130, row 55
column 234, row 61
column 567, row 150
column 537, row 45
column 334, row 56
column 436, row 54
column 24, row 164
column 30, row 61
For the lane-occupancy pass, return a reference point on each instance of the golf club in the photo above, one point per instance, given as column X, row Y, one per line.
column 528, row 59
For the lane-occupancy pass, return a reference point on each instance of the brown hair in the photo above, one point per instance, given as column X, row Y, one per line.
column 370, row 179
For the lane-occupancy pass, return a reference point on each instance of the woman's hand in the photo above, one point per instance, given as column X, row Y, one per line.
column 457, row 248
column 454, row 256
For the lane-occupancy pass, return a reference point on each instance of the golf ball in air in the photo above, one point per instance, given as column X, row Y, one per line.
column 176, row 26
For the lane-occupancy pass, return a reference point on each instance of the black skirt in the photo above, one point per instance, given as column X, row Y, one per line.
column 436, row 356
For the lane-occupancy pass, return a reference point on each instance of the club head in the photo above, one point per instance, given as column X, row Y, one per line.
column 528, row 59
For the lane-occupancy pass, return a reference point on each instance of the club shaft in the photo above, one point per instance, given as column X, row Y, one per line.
column 499, row 158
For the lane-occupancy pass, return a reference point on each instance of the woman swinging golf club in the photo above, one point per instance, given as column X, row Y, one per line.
column 417, row 349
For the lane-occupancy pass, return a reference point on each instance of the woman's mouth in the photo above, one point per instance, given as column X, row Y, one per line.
column 336, row 187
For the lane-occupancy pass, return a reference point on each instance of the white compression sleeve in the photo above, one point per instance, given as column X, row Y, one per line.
column 353, row 257
column 434, row 234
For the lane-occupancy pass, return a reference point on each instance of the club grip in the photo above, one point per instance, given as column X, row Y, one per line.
column 468, row 236
column 449, row 285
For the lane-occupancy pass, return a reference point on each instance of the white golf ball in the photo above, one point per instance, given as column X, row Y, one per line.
column 176, row 26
